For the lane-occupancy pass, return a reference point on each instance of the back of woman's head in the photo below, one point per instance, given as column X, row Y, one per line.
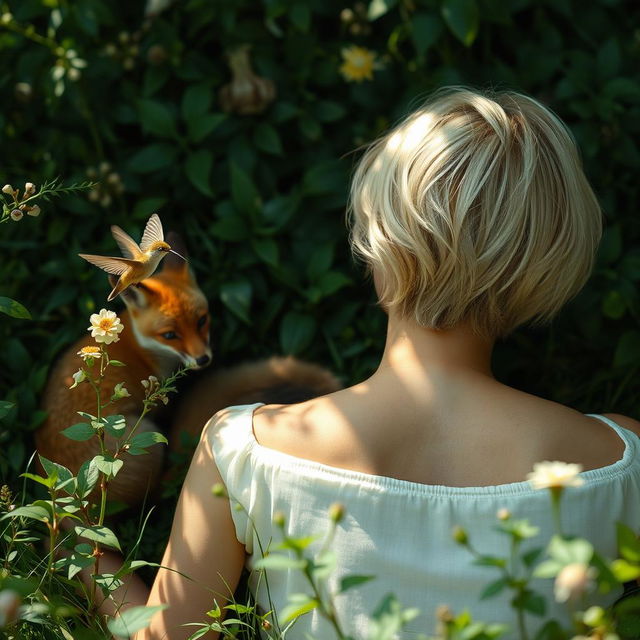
column 475, row 209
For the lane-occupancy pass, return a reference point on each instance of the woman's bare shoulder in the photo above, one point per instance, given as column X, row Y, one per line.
column 624, row 421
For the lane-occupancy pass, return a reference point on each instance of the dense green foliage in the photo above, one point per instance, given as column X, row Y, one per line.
column 260, row 197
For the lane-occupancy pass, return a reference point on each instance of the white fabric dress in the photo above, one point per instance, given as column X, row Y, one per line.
column 400, row 531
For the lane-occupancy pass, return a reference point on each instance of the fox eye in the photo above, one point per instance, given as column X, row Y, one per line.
column 169, row 335
column 202, row 321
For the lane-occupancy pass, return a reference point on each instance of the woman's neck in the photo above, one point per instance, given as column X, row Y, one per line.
column 429, row 351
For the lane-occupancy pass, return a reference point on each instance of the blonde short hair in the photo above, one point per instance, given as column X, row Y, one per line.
column 475, row 209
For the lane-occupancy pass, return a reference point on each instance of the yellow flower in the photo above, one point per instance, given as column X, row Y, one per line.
column 555, row 475
column 358, row 64
column 89, row 352
column 105, row 326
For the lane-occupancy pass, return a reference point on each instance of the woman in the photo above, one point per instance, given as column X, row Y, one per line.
column 474, row 217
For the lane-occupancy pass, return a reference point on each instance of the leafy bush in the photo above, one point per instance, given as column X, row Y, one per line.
column 133, row 99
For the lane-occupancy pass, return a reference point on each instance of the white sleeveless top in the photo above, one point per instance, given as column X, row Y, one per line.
column 400, row 531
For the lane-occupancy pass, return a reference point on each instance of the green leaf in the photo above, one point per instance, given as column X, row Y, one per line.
column 377, row 8
column 296, row 332
column 196, row 100
column 462, row 18
column 236, row 296
column 297, row 609
column 156, row 118
column 494, row 588
column 55, row 470
column 625, row 571
column 244, row 194
column 200, row 127
column 489, row 561
column 608, row 59
column 300, row 16
column 97, row 533
column 628, row 543
column 79, row 432
column 232, row 229
column 353, row 581
column 327, row 111
column 198, row 169
column 5, row 407
column 566, row 551
column 324, row 177
column 114, row 425
column 108, row 465
column 628, row 350
column 614, row 305
column 88, row 476
column 14, row 309
column 147, row 439
column 153, row 158
column 133, row 619
column 267, row 250
column 146, row 206
column 266, row 138
column 531, row 602
column 47, row 482
column 332, row 281
column 279, row 210
column 280, row 562
column 426, row 28
column 30, row 511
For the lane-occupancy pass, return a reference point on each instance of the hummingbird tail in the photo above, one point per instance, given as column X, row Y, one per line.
column 117, row 290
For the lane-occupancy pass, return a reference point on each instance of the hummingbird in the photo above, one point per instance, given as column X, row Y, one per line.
column 139, row 262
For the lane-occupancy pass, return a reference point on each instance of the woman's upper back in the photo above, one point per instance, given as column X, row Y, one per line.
column 400, row 531
column 458, row 431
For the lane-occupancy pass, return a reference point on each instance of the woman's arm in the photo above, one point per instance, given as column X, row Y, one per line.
column 203, row 546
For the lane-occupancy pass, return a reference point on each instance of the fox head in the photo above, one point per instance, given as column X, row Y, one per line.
column 169, row 315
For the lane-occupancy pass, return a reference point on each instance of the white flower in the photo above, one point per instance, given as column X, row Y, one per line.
column 78, row 377
column 555, row 475
column 16, row 215
column 573, row 581
column 105, row 326
column 33, row 211
column 8, row 189
column 89, row 352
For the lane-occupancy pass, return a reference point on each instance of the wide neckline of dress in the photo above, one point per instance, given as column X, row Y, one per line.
column 344, row 476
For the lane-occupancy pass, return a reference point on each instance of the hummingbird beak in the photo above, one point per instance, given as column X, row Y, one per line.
column 179, row 256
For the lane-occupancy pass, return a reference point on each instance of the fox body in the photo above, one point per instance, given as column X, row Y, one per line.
column 166, row 325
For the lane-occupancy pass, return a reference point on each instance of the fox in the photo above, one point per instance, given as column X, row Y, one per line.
column 166, row 325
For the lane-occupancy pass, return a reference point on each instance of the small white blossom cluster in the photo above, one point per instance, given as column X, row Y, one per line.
column 126, row 50
column 18, row 205
column 152, row 390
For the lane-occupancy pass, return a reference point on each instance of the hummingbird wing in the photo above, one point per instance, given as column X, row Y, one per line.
column 116, row 266
column 152, row 232
column 126, row 243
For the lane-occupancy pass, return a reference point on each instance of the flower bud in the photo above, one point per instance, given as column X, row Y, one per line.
column 120, row 391
column 29, row 189
column 573, row 581
column 73, row 74
column 460, row 535
column 16, row 215
column 219, row 490
column 10, row 602
column 78, row 377
column 279, row 519
column 8, row 189
column 336, row 512
column 266, row 625
column 503, row 514
column 247, row 93
column 33, row 211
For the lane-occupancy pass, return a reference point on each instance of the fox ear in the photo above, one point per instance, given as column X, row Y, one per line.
column 136, row 296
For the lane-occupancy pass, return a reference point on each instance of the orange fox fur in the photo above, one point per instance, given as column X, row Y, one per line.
column 169, row 301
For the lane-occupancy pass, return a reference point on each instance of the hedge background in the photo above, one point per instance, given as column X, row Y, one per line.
column 260, row 198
